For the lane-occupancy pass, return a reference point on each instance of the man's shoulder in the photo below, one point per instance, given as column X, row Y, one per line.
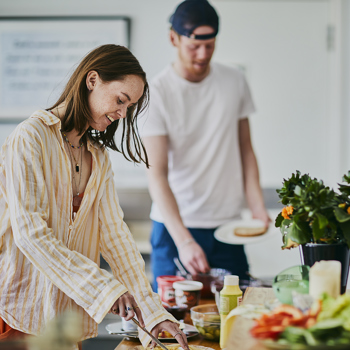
column 227, row 70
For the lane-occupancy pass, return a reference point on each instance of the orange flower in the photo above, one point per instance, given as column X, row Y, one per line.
column 286, row 211
column 348, row 210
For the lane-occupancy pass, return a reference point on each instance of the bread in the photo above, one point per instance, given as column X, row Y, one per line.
column 249, row 231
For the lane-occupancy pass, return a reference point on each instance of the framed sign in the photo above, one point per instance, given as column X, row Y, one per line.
column 38, row 55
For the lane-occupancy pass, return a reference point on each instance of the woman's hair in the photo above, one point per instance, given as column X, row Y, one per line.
column 111, row 62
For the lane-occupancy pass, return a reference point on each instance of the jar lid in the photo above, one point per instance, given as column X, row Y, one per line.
column 231, row 280
column 188, row 285
column 169, row 279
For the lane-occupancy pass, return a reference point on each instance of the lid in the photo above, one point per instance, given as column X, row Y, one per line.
column 188, row 285
column 169, row 279
column 231, row 280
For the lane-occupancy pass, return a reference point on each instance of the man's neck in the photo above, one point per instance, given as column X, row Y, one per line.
column 184, row 73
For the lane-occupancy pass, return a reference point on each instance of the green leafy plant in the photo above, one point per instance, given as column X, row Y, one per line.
column 313, row 212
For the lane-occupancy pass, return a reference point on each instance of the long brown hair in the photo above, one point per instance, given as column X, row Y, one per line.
column 111, row 62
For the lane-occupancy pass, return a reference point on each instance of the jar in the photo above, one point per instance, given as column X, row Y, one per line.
column 166, row 290
column 187, row 293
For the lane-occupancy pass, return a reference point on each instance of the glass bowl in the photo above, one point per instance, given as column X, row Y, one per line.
column 295, row 279
column 206, row 319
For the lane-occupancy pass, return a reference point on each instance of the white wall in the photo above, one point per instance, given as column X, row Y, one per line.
column 306, row 147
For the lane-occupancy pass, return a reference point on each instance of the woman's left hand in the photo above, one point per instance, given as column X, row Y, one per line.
column 174, row 330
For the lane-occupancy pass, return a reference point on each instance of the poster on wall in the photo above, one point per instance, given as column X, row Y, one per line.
column 38, row 55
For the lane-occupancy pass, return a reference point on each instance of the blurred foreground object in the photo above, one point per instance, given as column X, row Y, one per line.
column 324, row 277
column 62, row 333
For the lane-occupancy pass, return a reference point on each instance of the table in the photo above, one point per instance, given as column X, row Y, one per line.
column 239, row 337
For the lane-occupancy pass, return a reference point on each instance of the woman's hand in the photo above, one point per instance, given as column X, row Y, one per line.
column 173, row 329
column 125, row 306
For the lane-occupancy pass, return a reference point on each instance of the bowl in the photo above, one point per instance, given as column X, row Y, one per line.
column 293, row 279
column 206, row 319
column 179, row 312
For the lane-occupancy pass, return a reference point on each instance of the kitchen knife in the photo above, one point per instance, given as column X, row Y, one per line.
column 150, row 334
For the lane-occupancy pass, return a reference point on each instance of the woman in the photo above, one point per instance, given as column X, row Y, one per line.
column 59, row 206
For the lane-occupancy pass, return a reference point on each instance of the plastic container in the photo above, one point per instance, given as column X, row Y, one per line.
column 230, row 298
column 215, row 274
column 206, row 319
column 166, row 290
column 187, row 293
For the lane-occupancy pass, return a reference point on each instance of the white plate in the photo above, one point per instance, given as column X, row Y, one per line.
column 225, row 233
column 113, row 328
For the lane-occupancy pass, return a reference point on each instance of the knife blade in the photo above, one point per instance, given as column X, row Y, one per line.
column 150, row 334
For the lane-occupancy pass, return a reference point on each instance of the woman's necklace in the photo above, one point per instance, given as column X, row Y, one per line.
column 76, row 199
column 66, row 138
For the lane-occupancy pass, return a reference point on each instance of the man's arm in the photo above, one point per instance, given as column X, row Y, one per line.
column 191, row 254
column 252, row 187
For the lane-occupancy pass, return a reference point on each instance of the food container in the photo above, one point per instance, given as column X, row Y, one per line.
column 187, row 293
column 166, row 290
column 206, row 319
column 213, row 275
column 179, row 312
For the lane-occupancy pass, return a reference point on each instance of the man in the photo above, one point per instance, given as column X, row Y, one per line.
column 197, row 138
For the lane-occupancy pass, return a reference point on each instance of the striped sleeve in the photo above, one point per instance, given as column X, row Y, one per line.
column 27, row 194
column 120, row 251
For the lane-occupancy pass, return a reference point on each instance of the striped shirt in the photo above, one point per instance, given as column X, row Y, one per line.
column 50, row 263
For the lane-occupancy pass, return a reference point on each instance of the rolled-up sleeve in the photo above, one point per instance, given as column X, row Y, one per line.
column 120, row 251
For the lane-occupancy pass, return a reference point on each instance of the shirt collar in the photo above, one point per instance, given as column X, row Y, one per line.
column 50, row 119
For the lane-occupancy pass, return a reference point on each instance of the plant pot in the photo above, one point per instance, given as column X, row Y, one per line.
column 312, row 252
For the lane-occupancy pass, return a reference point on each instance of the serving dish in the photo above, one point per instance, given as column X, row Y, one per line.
column 116, row 329
column 225, row 233
column 273, row 345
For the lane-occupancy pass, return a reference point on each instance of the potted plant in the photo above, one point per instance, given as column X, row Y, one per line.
column 317, row 219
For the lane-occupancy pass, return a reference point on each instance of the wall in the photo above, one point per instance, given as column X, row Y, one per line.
column 257, row 34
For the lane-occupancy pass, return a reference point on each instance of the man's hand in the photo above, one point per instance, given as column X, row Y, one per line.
column 173, row 329
column 262, row 215
column 193, row 258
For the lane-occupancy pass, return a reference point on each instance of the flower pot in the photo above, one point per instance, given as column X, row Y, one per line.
column 312, row 252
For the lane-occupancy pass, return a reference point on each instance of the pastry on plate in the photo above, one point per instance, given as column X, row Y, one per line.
column 249, row 231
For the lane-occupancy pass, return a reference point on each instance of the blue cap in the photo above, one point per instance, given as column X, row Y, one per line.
column 192, row 14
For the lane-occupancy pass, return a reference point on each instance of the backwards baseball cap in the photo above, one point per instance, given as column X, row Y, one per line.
column 191, row 14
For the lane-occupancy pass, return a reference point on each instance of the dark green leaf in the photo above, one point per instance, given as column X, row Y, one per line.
column 341, row 215
column 316, row 230
column 322, row 221
column 279, row 219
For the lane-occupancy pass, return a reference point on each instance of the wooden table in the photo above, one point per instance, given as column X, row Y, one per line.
column 128, row 344
column 239, row 337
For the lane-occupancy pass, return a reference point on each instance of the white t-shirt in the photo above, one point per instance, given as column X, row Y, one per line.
column 201, row 122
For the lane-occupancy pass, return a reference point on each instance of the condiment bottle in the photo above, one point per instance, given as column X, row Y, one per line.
column 230, row 298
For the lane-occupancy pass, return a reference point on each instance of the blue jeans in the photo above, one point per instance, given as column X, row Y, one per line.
column 220, row 255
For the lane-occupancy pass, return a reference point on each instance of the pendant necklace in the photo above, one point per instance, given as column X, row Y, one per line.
column 76, row 199
column 75, row 147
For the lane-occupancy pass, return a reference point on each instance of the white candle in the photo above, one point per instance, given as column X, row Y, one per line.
column 324, row 277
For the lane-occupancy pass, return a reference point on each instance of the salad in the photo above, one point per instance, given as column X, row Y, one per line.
column 327, row 322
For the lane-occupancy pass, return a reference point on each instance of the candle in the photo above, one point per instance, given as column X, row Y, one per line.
column 324, row 277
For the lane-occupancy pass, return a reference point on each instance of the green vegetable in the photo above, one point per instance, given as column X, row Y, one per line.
column 336, row 309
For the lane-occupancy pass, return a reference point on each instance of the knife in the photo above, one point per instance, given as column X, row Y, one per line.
column 150, row 334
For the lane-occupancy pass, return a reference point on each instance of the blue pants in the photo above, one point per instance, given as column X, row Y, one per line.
column 220, row 255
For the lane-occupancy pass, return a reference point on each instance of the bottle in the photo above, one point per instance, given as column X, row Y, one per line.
column 230, row 298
